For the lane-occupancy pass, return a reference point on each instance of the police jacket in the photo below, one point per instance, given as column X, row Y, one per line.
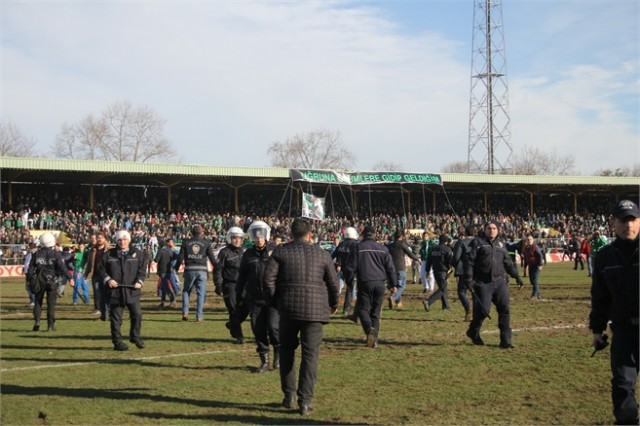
column 126, row 270
column 163, row 260
column 371, row 261
column 227, row 267
column 488, row 261
column 439, row 259
column 302, row 279
column 51, row 262
column 614, row 286
column 341, row 253
column 398, row 249
column 194, row 254
column 252, row 266
column 459, row 251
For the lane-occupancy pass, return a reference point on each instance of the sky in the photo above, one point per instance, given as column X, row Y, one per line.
column 393, row 77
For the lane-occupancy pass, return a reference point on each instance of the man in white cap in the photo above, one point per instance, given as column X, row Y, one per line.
column 614, row 299
column 125, row 270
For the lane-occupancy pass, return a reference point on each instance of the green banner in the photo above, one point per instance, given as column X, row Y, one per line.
column 363, row 178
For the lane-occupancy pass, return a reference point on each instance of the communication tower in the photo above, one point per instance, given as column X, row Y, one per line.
column 490, row 147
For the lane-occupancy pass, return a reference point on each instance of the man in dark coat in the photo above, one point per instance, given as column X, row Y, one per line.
column 486, row 266
column 47, row 264
column 399, row 249
column 225, row 278
column 301, row 278
column 164, row 259
column 264, row 316
column 614, row 297
column 125, row 270
column 371, row 262
column 440, row 261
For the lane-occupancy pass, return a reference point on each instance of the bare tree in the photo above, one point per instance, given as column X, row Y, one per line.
column 533, row 161
column 13, row 143
column 621, row 171
column 122, row 133
column 318, row 149
column 456, row 167
column 386, row 166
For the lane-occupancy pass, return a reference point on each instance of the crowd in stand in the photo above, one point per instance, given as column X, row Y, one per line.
column 139, row 211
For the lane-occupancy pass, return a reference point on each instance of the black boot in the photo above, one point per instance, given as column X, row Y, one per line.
column 276, row 359
column 264, row 366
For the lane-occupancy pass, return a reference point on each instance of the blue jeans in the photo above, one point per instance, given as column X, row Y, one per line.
column 534, row 273
column 197, row 280
column 80, row 284
column 402, row 282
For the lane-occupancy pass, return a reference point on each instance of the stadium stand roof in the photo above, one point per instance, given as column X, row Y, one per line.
column 34, row 170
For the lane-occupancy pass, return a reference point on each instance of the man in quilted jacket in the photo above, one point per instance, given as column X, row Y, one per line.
column 301, row 279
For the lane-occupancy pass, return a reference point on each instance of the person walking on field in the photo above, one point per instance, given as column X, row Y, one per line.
column 459, row 251
column 301, row 279
column 399, row 249
column 534, row 259
column 371, row 263
column 486, row 266
column 225, row 278
column 439, row 261
column 614, row 297
column 125, row 269
column 194, row 254
column 265, row 320
column 45, row 272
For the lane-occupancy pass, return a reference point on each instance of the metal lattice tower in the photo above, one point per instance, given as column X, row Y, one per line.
column 490, row 147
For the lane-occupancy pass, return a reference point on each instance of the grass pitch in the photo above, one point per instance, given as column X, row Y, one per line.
column 424, row 372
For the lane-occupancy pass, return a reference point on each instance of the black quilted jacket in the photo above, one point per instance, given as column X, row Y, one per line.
column 302, row 280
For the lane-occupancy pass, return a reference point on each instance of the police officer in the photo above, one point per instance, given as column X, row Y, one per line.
column 371, row 263
column 486, row 265
column 440, row 261
column 46, row 270
column 125, row 269
column 225, row 278
column 194, row 254
column 341, row 254
column 264, row 316
column 614, row 297
column 459, row 250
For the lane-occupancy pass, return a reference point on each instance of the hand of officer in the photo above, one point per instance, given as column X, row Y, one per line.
column 112, row 283
column 137, row 285
column 218, row 290
column 599, row 340
column 520, row 283
column 394, row 290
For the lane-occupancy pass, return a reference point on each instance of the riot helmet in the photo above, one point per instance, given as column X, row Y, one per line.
column 259, row 230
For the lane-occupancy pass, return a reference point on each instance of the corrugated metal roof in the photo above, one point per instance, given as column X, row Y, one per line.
column 141, row 168
column 24, row 163
column 539, row 180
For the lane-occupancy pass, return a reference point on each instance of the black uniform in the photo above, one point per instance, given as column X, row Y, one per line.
column 127, row 270
column 341, row 254
column 614, row 296
column 264, row 316
column 50, row 264
column 225, row 278
column 487, row 264
column 439, row 260
column 163, row 260
column 372, row 264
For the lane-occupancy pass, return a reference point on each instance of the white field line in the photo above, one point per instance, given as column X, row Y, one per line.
column 116, row 361
column 147, row 358
column 551, row 327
